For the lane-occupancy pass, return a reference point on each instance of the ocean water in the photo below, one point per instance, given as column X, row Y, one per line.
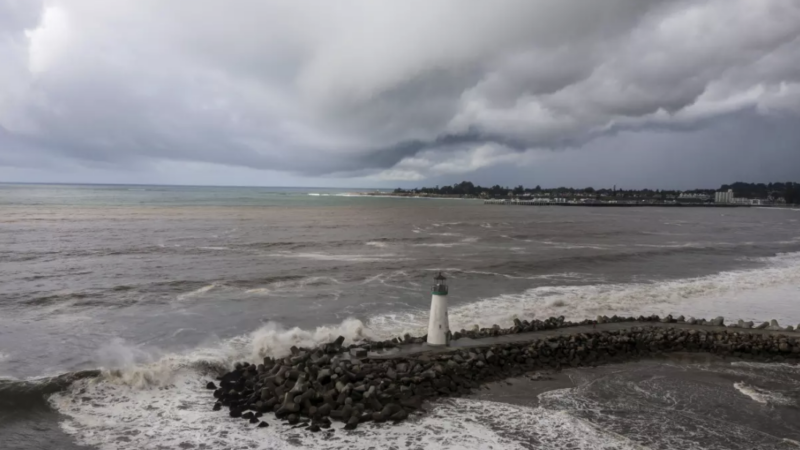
column 158, row 285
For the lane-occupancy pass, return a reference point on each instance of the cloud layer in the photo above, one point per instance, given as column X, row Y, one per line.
column 382, row 90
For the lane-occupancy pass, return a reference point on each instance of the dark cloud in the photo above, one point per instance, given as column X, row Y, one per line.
column 391, row 90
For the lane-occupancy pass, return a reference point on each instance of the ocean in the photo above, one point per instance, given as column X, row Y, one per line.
column 158, row 286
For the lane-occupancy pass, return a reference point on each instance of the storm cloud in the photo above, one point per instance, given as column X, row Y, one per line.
column 396, row 91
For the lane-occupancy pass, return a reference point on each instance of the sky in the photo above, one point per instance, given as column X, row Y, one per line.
column 637, row 93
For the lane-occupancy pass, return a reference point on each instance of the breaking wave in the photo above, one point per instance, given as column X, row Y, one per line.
column 762, row 396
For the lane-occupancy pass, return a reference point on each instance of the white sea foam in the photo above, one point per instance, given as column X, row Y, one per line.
column 261, row 290
column 303, row 282
column 197, row 292
column 146, row 400
column 343, row 258
column 213, row 248
column 762, row 396
column 777, row 367
column 440, row 244
column 376, row 244
column 113, row 414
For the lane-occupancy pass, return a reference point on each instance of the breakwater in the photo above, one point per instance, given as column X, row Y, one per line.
column 389, row 380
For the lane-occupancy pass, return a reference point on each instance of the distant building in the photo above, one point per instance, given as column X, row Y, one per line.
column 691, row 197
column 724, row 197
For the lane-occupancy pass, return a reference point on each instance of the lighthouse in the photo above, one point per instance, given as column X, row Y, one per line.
column 439, row 325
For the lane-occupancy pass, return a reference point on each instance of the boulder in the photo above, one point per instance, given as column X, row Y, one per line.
column 762, row 326
column 211, row 385
column 324, row 410
column 402, row 414
column 324, row 376
column 263, row 424
column 358, row 353
column 352, row 423
column 718, row 321
column 774, row 325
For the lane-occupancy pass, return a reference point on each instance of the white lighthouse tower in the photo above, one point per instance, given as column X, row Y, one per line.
column 439, row 324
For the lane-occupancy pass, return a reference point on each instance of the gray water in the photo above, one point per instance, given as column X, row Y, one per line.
column 164, row 282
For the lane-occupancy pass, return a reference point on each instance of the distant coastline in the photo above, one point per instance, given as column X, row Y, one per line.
column 736, row 194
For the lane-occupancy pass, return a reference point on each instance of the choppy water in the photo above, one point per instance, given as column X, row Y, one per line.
column 165, row 282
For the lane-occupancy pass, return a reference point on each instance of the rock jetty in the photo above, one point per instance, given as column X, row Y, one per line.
column 361, row 382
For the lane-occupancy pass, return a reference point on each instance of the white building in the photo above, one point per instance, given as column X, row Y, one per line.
column 724, row 197
column 693, row 196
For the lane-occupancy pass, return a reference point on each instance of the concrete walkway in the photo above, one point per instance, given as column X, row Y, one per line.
column 406, row 350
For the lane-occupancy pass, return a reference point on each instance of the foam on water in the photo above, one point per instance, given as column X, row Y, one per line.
column 440, row 244
column 376, row 244
column 342, row 258
column 112, row 413
column 762, row 396
column 197, row 292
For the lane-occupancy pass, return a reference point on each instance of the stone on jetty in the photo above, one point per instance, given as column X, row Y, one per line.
column 335, row 382
column 718, row 321
column 774, row 325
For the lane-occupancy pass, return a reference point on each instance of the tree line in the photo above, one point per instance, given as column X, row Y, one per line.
column 789, row 191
